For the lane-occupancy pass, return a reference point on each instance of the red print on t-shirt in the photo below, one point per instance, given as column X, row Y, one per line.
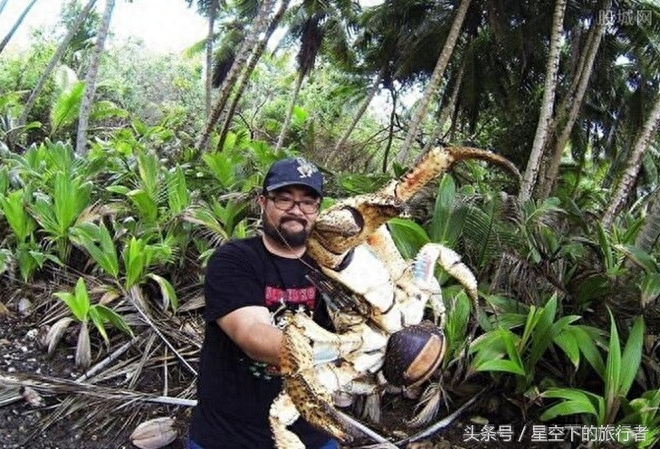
column 290, row 296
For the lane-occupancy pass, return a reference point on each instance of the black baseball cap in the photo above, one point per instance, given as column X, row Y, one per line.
column 294, row 171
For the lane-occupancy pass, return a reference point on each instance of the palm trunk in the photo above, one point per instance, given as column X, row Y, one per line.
column 390, row 134
column 358, row 115
column 648, row 235
column 90, row 79
column 18, row 22
column 634, row 164
column 576, row 102
column 542, row 129
column 213, row 9
column 236, row 68
column 54, row 61
column 436, row 79
column 446, row 110
column 252, row 63
column 2, row 5
column 289, row 112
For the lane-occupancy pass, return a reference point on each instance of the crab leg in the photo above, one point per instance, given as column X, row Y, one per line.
column 283, row 413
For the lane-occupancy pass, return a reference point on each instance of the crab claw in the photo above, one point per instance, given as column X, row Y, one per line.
column 350, row 222
column 309, row 396
column 347, row 224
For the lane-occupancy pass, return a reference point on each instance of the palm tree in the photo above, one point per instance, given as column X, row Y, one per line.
column 436, row 78
column 90, row 79
column 258, row 26
column 212, row 13
column 634, row 164
column 311, row 36
column 446, row 110
column 543, row 126
column 574, row 100
column 245, row 76
column 313, row 23
column 373, row 90
column 208, row 8
column 54, row 60
column 650, row 231
column 18, row 22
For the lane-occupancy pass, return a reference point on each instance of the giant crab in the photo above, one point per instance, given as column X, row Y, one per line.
column 376, row 301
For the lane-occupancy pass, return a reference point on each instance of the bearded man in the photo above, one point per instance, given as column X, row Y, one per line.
column 249, row 284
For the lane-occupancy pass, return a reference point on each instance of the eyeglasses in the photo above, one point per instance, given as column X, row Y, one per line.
column 286, row 203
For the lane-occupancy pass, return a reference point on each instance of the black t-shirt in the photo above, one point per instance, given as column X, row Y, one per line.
column 235, row 392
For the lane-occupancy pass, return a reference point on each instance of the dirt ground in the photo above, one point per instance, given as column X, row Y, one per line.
column 25, row 426
column 45, row 427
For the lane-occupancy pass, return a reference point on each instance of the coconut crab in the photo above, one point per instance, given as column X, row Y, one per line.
column 376, row 301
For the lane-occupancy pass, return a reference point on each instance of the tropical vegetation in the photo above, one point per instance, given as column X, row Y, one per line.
column 121, row 171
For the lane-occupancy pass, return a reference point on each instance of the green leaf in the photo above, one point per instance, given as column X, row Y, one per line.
column 66, row 107
column 78, row 301
column 632, row 357
column 568, row 408
column 5, row 257
column 605, row 247
column 458, row 315
column 166, row 290
column 122, row 190
column 650, row 286
column 98, row 321
column 408, row 236
column 542, row 334
column 105, row 109
column 640, row 257
column 43, row 211
column 97, row 241
column 204, row 217
column 109, row 315
column 4, row 181
column 70, row 198
column 447, row 221
column 567, row 342
column 134, row 261
column 586, row 337
column 30, row 258
column 613, row 364
column 178, row 196
column 14, row 209
column 574, row 402
column 502, row 365
column 222, row 168
column 148, row 169
column 490, row 347
column 145, row 204
column 592, row 287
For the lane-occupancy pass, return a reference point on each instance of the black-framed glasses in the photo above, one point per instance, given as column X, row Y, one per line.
column 307, row 206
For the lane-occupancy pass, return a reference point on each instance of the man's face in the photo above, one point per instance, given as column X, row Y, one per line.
column 289, row 214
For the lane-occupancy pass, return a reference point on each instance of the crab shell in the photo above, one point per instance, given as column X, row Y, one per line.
column 413, row 354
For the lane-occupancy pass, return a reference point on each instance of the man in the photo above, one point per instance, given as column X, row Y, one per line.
column 249, row 284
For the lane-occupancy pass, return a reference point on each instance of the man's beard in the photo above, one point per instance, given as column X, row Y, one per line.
column 284, row 237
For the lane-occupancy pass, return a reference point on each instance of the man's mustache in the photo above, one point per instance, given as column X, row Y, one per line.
column 302, row 221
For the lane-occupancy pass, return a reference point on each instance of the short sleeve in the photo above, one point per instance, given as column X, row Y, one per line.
column 232, row 281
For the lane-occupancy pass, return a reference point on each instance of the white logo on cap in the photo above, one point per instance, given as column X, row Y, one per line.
column 305, row 168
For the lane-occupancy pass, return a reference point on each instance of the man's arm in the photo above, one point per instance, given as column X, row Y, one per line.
column 251, row 329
